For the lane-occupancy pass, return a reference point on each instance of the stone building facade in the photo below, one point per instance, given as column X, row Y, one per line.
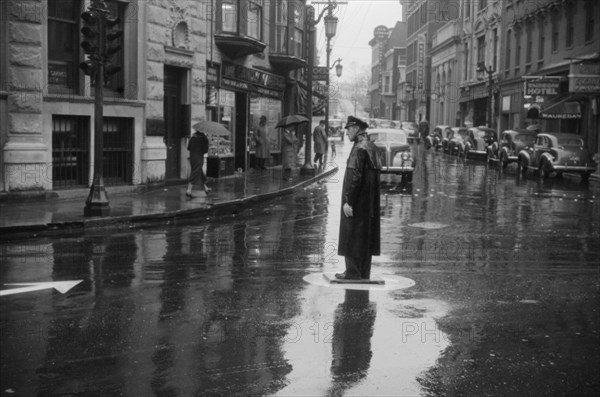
column 181, row 61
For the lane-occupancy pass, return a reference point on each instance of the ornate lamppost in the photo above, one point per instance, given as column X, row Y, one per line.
column 330, row 28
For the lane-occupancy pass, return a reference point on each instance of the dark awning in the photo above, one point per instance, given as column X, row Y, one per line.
column 562, row 110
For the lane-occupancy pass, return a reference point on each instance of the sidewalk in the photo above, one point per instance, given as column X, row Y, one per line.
column 26, row 219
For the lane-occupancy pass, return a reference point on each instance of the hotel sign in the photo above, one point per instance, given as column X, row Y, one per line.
column 542, row 87
column 584, row 78
column 421, row 64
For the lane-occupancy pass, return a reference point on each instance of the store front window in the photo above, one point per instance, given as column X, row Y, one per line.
column 271, row 108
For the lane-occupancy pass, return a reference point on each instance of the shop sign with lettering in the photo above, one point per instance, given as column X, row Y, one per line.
column 213, row 74
column 542, row 87
column 420, row 65
column 584, row 78
column 253, row 76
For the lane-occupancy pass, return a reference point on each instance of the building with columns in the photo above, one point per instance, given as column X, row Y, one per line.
column 181, row 61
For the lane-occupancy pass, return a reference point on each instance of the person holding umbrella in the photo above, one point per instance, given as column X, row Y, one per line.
column 198, row 147
column 289, row 140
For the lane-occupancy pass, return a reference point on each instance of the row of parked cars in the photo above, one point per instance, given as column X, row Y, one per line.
column 544, row 153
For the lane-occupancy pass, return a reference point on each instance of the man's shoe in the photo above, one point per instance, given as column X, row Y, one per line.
column 344, row 276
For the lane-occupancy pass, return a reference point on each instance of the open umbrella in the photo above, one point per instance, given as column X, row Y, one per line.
column 211, row 128
column 290, row 120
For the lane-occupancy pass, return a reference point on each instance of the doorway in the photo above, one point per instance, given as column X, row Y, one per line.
column 173, row 115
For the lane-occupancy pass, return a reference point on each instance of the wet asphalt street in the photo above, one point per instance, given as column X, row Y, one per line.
column 505, row 300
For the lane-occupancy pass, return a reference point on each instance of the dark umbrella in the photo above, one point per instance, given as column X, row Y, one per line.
column 211, row 128
column 290, row 120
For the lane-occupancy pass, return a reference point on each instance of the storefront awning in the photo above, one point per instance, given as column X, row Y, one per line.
column 562, row 110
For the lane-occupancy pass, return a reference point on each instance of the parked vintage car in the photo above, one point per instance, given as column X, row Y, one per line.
column 456, row 141
column 394, row 150
column 478, row 141
column 413, row 131
column 336, row 128
column 558, row 153
column 511, row 143
column 434, row 140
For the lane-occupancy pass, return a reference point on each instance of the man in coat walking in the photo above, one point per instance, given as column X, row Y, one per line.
column 359, row 236
column 320, row 139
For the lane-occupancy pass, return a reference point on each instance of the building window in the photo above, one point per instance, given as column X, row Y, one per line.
column 517, row 49
column 481, row 49
column 508, row 50
column 529, row 48
column 3, row 44
column 298, row 33
column 281, row 29
column 589, row 21
column 229, row 16
column 555, row 31
column 495, row 49
column 542, row 42
column 466, row 75
column 570, row 29
column 118, row 150
column 63, row 46
column 467, row 5
column 482, row 4
column 255, row 19
column 70, row 151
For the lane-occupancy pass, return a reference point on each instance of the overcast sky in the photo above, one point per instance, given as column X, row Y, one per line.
column 357, row 20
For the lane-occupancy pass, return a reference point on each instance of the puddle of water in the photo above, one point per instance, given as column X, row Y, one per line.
column 391, row 283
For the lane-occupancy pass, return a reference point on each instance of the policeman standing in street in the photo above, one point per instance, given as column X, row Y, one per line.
column 359, row 236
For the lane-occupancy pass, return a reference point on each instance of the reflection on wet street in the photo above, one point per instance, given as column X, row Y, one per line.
column 505, row 298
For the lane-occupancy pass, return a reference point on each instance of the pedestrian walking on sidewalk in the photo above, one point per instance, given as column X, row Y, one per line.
column 320, row 146
column 198, row 147
column 262, row 143
column 333, row 152
column 359, row 236
column 289, row 144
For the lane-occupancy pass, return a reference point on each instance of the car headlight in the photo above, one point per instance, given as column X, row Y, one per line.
column 405, row 156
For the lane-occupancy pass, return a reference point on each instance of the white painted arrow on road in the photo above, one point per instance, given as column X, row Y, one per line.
column 60, row 286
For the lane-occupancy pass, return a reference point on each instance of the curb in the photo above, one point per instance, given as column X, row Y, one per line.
column 73, row 228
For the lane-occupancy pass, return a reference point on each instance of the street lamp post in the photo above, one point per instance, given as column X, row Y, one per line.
column 330, row 28
column 338, row 73
column 481, row 68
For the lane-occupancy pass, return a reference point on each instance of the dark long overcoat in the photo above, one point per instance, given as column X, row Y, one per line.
column 360, row 234
column 320, row 138
column 198, row 146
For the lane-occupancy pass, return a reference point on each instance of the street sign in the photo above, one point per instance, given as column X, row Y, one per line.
column 320, row 73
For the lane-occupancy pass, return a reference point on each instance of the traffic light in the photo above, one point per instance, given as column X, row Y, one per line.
column 111, row 45
column 90, row 44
